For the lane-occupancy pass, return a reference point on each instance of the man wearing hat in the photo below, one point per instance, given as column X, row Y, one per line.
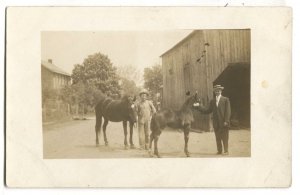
column 145, row 109
column 220, row 107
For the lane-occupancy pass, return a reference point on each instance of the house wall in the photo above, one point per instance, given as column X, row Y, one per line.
column 54, row 80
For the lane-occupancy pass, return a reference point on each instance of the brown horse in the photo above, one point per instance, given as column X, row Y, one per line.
column 181, row 119
column 122, row 110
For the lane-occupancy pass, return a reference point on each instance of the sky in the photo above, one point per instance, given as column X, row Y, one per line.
column 139, row 49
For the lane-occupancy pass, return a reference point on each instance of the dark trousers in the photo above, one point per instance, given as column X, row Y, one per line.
column 222, row 137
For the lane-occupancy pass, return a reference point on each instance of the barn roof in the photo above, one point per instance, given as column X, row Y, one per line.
column 54, row 68
column 179, row 43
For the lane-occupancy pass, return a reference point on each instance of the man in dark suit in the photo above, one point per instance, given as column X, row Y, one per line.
column 220, row 107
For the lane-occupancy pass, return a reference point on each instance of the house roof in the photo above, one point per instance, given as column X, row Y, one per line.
column 54, row 68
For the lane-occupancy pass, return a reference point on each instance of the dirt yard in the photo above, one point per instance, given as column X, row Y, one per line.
column 76, row 140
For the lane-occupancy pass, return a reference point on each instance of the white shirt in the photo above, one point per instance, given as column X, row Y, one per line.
column 217, row 100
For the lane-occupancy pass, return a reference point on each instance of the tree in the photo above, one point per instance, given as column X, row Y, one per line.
column 81, row 95
column 97, row 71
column 153, row 79
column 132, row 73
column 91, row 80
column 129, row 87
column 130, row 76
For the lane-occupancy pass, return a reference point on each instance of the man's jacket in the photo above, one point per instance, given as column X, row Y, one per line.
column 221, row 113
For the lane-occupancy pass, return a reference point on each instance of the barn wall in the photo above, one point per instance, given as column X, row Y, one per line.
column 225, row 47
column 192, row 65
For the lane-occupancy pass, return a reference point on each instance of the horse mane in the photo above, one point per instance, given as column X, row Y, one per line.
column 124, row 98
column 186, row 104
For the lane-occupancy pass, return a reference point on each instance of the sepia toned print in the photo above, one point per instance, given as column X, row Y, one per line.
column 106, row 106
column 206, row 89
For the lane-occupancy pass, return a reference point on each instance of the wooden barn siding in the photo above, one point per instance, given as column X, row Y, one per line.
column 167, row 80
column 174, row 85
column 198, row 75
column 225, row 47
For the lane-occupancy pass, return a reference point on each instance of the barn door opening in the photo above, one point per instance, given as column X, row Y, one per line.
column 236, row 80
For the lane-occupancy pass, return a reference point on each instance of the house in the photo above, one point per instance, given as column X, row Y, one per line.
column 205, row 58
column 54, row 77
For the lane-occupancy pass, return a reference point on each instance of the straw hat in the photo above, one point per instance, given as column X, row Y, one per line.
column 144, row 91
column 218, row 87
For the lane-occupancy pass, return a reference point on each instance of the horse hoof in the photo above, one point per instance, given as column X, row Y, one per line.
column 150, row 153
column 132, row 147
column 126, row 147
column 97, row 144
column 106, row 144
column 187, row 153
column 158, row 156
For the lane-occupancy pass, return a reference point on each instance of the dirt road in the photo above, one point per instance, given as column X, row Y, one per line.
column 76, row 140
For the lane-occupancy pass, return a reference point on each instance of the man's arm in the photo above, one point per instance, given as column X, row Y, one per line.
column 206, row 110
column 153, row 109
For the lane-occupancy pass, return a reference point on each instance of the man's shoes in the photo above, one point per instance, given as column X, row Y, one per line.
column 226, row 153
column 218, row 153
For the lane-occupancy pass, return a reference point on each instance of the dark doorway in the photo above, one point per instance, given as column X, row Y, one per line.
column 236, row 80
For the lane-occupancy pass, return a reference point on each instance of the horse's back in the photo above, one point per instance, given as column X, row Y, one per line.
column 172, row 119
column 161, row 119
column 115, row 111
column 100, row 106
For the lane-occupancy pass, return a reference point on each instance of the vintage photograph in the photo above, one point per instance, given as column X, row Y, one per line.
column 146, row 94
column 155, row 97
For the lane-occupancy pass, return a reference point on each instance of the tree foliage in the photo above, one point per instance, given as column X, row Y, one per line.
column 97, row 77
column 153, row 79
column 97, row 71
column 129, row 87
column 81, row 94
column 92, row 79
column 130, row 77
column 132, row 73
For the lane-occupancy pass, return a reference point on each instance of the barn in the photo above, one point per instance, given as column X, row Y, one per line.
column 205, row 58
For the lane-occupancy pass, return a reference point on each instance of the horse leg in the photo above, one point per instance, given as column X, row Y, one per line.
column 125, row 134
column 186, row 140
column 155, row 146
column 151, row 140
column 104, row 131
column 146, row 130
column 98, row 128
column 131, row 134
column 150, row 145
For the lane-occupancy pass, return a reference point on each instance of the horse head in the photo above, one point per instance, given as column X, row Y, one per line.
column 130, row 107
column 192, row 99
